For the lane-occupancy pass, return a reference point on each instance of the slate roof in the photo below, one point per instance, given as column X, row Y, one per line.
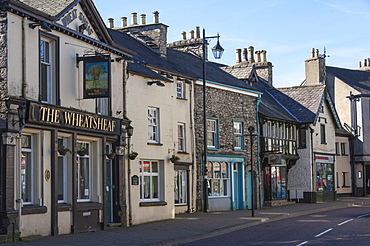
column 176, row 61
column 359, row 80
column 235, row 71
column 269, row 107
column 301, row 101
column 49, row 7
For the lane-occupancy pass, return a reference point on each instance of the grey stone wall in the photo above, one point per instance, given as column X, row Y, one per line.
column 3, row 67
column 226, row 107
column 264, row 70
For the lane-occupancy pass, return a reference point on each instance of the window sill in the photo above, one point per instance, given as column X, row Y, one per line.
column 242, row 150
column 62, row 207
column 151, row 204
column 182, row 99
column 155, row 144
column 32, row 209
column 182, row 152
column 210, row 148
column 346, row 186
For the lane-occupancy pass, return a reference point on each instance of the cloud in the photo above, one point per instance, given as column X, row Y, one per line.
column 346, row 9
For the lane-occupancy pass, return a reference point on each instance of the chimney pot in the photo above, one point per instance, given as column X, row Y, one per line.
column 111, row 22
column 183, row 35
column 313, row 53
column 317, row 53
column 156, row 17
column 197, row 31
column 251, row 54
column 258, row 53
column 264, row 58
column 133, row 18
column 365, row 62
column 192, row 34
column 359, row 64
column 123, row 21
column 238, row 56
column 245, row 55
column 143, row 19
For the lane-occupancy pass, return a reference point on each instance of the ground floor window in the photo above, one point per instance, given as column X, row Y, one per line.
column 149, row 180
column 62, row 170
column 84, row 172
column 181, row 187
column 276, row 182
column 27, row 179
column 324, row 177
column 218, row 178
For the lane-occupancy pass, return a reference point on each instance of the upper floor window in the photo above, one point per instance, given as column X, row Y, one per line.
column 323, row 134
column 337, row 152
column 102, row 106
column 238, row 135
column 302, row 138
column 212, row 133
column 343, row 148
column 180, row 89
column 181, row 136
column 48, row 70
column 153, row 127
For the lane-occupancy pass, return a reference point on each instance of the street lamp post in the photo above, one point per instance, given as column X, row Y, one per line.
column 217, row 52
column 251, row 130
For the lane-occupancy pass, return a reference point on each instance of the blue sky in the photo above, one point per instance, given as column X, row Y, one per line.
column 287, row 29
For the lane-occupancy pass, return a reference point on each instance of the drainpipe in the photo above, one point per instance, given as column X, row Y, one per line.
column 312, row 163
column 24, row 83
column 193, row 170
column 258, row 101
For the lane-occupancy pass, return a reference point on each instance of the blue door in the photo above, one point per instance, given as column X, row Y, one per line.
column 238, row 201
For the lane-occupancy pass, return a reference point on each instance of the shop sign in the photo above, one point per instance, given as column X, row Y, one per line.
column 73, row 119
column 274, row 159
column 324, row 158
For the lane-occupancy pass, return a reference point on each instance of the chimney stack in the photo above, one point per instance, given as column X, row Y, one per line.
column 156, row 17
column 197, row 31
column 238, row 56
column 111, row 22
column 245, row 55
column 133, row 18
column 143, row 19
column 250, row 54
column 123, row 21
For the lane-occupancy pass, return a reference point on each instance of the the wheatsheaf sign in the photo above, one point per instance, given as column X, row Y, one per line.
column 73, row 119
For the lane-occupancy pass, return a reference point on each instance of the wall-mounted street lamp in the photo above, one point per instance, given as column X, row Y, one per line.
column 42, row 24
column 22, row 110
column 157, row 82
column 217, row 52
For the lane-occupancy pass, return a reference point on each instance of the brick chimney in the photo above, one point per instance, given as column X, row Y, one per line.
column 315, row 69
column 153, row 34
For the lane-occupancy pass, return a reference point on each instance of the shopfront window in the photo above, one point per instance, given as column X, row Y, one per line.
column 27, row 169
column 278, row 182
column 84, row 172
column 218, row 178
column 324, row 177
column 181, row 187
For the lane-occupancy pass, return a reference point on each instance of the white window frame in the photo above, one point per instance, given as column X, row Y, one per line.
column 212, row 134
column 180, row 89
column 181, row 187
column 87, row 145
column 32, row 178
column 151, row 174
column 64, row 163
column 153, row 125
column 238, row 135
column 49, row 62
column 181, row 137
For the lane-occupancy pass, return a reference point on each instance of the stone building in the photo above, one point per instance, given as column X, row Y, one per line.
column 62, row 119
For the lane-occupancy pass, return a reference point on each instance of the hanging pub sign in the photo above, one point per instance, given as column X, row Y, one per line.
column 96, row 77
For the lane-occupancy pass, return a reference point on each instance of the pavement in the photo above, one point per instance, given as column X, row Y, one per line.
column 191, row 226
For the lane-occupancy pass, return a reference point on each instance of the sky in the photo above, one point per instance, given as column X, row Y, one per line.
column 286, row 29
